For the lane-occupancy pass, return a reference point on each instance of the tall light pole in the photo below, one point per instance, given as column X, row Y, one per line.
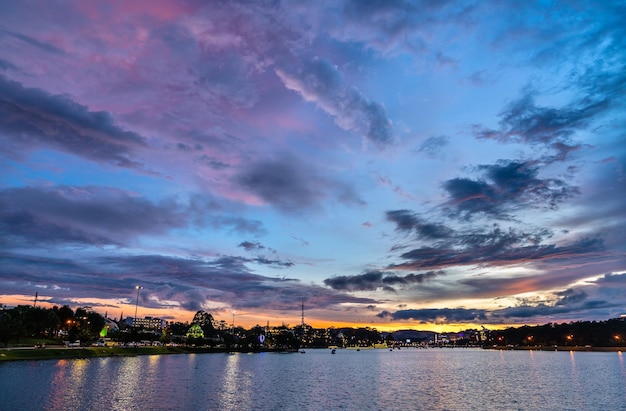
column 138, row 287
column 233, row 324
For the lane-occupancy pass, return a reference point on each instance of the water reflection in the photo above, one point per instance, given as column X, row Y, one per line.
column 572, row 358
column 437, row 379
column 126, row 384
column 59, row 383
column 67, row 384
column 236, row 382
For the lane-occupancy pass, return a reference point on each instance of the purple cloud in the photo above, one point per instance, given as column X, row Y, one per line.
column 320, row 82
column 32, row 118
column 508, row 185
column 374, row 280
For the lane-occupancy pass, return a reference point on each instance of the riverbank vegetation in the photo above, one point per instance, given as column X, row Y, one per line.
column 53, row 352
column 61, row 332
column 586, row 334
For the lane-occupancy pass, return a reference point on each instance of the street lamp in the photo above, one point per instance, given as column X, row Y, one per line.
column 138, row 287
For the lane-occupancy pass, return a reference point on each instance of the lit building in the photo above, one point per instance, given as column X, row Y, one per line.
column 147, row 323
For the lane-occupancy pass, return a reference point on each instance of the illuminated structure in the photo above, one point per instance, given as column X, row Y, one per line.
column 137, row 302
column 195, row 331
column 147, row 323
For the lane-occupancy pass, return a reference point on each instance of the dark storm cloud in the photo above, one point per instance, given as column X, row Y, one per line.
column 281, row 183
column 373, row 280
column 497, row 248
column 87, row 215
column 492, row 245
column 506, row 186
column 405, row 220
column 273, row 263
column 191, row 282
column 408, row 221
column 368, row 281
column 393, row 279
column 321, row 82
column 522, row 121
column 98, row 216
column 255, row 246
column 570, row 296
column 251, row 246
column 434, row 315
column 291, row 185
column 32, row 119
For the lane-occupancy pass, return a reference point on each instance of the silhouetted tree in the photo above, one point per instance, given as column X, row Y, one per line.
column 206, row 322
column 9, row 327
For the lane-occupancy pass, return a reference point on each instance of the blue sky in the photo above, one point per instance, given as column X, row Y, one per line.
column 394, row 164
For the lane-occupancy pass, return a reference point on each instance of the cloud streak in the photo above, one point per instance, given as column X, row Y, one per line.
column 35, row 118
column 320, row 82
column 374, row 280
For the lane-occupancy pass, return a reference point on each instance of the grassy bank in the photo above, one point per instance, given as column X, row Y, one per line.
column 94, row 352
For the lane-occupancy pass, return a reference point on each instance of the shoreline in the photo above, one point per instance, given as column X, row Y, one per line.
column 60, row 353
column 557, row 348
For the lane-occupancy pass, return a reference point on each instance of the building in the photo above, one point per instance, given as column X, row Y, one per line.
column 146, row 323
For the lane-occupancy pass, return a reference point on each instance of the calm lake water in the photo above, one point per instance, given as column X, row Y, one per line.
column 407, row 379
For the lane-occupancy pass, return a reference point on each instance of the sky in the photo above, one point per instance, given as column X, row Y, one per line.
column 434, row 165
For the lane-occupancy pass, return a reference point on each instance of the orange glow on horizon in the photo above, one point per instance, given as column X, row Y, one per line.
column 247, row 320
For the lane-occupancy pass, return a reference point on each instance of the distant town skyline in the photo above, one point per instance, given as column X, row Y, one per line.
column 402, row 164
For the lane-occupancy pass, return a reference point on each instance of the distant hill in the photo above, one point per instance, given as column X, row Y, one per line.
column 413, row 335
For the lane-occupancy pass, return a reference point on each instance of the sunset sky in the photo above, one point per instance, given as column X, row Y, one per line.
column 432, row 165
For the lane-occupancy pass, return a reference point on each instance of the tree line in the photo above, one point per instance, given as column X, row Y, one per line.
column 24, row 323
column 610, row 333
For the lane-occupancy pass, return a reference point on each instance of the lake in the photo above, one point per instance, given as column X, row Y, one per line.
column 406, row 379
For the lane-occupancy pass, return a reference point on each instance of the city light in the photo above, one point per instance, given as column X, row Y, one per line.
column 138, row 287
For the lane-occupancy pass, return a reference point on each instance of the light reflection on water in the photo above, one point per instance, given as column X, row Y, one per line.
column 236, row 385
column 126, row 383
column 410, row 379
column 67, row 395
